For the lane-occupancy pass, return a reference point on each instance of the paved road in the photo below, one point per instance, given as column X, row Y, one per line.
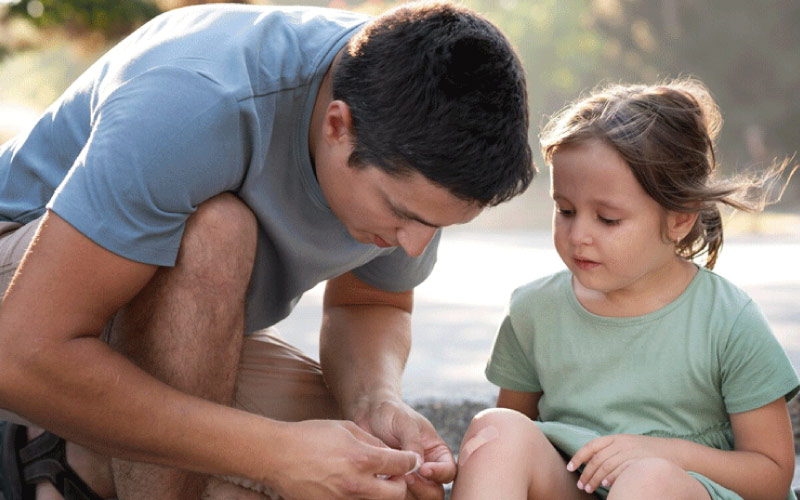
column 459, row 307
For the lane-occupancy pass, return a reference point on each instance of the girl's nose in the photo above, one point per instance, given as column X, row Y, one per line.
column 580, row 232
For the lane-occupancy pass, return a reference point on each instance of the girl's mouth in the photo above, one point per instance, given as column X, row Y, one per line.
column 585, row 265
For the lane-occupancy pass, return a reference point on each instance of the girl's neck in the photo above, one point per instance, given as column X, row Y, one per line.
column 660, row 290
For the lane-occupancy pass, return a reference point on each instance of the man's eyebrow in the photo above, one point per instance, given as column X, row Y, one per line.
column 407, row 214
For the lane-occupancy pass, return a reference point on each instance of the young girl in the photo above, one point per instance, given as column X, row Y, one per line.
column 635, row 374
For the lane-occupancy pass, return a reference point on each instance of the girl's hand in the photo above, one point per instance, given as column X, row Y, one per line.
column 606, row 457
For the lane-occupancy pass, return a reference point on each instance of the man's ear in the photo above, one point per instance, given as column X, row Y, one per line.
column 679, row 224
column 338, row 124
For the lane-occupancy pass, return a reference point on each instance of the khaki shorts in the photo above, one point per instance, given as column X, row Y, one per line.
column 275, row 379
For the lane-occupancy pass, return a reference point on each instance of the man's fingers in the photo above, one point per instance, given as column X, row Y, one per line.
column 364, row 436
column 418, row 435
column 397, row 462
column 387, row 488
column 440, row 472
column 420, row 488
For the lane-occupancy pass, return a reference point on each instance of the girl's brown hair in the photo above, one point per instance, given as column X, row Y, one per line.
column 666, row 135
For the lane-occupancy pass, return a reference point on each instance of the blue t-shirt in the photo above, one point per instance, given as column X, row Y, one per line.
column 200, row 101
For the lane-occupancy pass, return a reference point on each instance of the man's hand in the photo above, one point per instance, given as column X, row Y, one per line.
column 364, row 343
column 606, row 457
column 399, row 426
column 333, row 460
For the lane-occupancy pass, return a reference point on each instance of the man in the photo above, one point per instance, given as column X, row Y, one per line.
column 186, row 190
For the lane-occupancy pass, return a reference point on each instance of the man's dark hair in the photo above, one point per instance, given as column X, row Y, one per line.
column 436, row 88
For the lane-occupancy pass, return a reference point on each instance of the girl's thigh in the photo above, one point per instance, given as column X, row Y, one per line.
column 641, row 478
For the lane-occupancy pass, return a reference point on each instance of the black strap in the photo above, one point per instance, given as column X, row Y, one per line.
column 45, row 458
column 12, row 486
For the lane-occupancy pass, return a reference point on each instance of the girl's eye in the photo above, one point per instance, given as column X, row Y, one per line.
column 564, row 212
column 608, row 222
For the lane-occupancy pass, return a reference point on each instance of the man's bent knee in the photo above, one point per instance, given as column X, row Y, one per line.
column 220, row 238
column 225, row 216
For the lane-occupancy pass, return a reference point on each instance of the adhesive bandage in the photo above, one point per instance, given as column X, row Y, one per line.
column 483, row 436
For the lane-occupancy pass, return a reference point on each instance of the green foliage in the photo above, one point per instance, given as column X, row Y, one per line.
column 36, row 78
column 558, row 49
column 746, row 52
column 111, row 18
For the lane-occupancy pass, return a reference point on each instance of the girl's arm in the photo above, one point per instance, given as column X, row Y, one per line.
column 764, row 442
column 760, row 467
column 523, row 402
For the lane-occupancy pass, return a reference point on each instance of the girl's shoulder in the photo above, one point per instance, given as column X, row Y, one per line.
column 709, row 287
column 546, row 291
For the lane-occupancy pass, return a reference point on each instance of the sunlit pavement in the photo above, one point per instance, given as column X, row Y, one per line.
column 459, row 307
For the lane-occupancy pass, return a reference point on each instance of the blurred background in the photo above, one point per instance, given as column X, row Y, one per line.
column 746, row 52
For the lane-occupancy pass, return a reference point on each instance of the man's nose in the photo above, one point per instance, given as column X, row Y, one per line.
column 414, row 238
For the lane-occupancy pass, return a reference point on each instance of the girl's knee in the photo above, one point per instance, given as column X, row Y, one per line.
column 505, row 431
column 643, row 477
column 501, row 419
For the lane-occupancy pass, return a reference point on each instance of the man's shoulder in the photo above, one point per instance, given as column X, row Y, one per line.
column 250, row 50
column 208, row 19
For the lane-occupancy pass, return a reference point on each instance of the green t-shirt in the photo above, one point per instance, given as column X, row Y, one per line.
column 676, row 372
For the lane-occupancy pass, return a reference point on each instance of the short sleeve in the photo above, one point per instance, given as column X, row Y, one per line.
column 755, row 368
column 396, row 271
column 508, row 366
column 161, row 144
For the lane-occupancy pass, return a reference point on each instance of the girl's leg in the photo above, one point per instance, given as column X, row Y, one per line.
column 644, row 477
column 505, row 455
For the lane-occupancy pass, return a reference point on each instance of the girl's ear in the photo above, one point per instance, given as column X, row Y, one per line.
column 679, row 224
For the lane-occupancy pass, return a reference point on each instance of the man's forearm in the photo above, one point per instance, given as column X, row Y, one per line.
column 89, row 394
column 363, row 351
column 365, row 342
